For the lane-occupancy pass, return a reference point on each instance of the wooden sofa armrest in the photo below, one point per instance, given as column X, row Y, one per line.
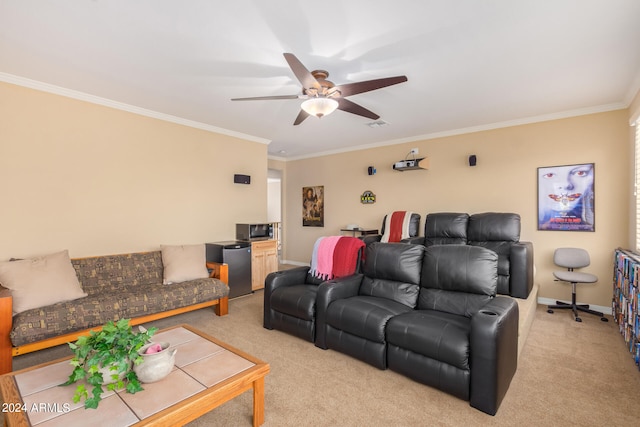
column 6, row 321
column 219, row 271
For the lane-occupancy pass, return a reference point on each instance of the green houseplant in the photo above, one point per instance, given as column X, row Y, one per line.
column 105, row 358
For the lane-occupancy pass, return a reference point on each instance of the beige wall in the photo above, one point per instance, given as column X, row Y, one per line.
column 503, row 180
column 97, row 180
column 634, row 108
column 634, row 116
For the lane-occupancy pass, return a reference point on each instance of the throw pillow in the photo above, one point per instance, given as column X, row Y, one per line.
column 183, row 262
column 40, row 281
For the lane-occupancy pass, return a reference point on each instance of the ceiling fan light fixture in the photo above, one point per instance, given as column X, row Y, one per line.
column 319, row 106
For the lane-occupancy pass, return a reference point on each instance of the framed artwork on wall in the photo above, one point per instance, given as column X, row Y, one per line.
column 313, row 206
column 566, row 197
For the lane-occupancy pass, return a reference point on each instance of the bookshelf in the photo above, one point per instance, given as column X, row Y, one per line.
column 626, row 280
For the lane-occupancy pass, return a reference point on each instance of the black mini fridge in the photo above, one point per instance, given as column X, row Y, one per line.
column 237, row 255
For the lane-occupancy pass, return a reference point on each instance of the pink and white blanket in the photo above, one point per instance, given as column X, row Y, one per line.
column 335, row 256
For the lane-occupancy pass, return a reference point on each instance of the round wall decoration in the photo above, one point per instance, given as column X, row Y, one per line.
column 367, row 198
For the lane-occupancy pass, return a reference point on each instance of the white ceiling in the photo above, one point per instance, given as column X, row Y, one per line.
column 470, row 64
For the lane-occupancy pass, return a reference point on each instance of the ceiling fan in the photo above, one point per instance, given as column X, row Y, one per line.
column 323, row 97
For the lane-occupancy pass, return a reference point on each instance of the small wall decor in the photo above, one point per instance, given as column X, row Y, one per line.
column 313, row 206
column 566, row 197
column 367, row 198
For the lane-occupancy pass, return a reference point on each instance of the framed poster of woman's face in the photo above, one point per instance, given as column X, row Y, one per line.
column 566, row 197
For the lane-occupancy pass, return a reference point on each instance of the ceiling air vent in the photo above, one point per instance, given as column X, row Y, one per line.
column 377, row 124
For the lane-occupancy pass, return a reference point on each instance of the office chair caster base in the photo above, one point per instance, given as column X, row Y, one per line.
column 575, row 308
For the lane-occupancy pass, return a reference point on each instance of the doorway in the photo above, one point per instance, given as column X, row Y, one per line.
column 274, row 205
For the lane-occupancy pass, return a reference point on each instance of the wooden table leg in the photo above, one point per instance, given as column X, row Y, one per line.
column 258, row 402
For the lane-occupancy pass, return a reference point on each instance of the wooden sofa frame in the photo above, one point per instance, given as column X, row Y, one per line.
column 8, row 352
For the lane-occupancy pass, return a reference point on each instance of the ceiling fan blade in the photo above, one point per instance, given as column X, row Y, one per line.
column 353, row 108
column 301, row 116
column 301, row 72
column 369, row 85
column 262, row 98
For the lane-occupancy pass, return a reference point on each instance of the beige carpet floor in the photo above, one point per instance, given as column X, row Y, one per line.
column 569, row 374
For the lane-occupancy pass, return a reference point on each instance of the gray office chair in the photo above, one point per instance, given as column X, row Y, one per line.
column 572, row 258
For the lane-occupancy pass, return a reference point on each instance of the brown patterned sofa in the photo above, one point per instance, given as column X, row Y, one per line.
column 117, row 286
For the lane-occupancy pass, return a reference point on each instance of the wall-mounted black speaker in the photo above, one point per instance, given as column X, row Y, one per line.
column 472, row 160
column 242, row 179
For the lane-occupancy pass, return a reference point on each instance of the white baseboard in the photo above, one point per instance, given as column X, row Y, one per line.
column 549, row 301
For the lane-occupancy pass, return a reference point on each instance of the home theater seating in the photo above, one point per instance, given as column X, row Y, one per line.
column 290, row 302
column 428, row 312
column 290, row 295
column 497, row 231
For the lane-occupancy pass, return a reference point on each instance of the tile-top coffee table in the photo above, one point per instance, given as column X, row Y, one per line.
column 207, row 374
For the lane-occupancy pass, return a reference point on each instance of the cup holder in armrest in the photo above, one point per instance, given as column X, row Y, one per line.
column 489, row 313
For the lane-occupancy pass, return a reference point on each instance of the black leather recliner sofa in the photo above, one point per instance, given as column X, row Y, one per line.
column 352, row 312
column 290, row 302
column 431, row 314
column 497, row 231
column 461, row 338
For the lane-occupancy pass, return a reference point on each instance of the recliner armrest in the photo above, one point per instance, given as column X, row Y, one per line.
column 371, row 238
column 329, row 292
column 521, row 274
column 293, row 276
column 494, row 353
column 278, row 279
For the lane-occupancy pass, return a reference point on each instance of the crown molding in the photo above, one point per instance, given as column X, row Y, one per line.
column 69, row 93
column 81, row 96
column 472, row 129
